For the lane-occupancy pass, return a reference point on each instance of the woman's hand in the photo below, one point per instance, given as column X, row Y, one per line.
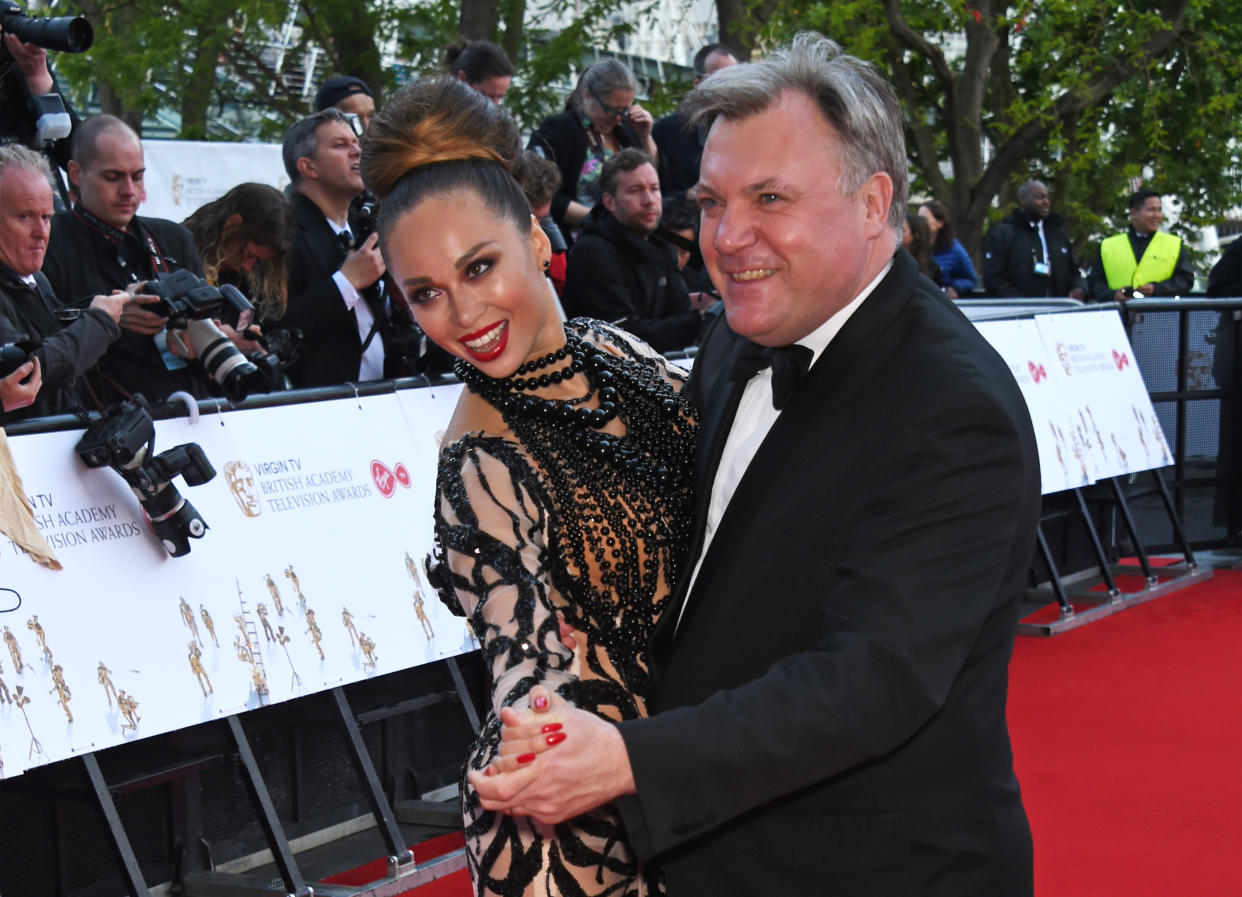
column 641, row 121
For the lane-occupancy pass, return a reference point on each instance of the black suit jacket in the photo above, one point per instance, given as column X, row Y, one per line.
column 331, row 346
column 831, row 710
column 681, row 152
column 81, row 263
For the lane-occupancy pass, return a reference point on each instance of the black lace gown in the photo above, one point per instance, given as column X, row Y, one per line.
column 532, row 522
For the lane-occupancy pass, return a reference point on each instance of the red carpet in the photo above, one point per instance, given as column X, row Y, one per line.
column 455, row 885
column 1128, row 743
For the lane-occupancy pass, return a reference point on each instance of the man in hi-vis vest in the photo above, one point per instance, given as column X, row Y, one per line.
column 1143, row 261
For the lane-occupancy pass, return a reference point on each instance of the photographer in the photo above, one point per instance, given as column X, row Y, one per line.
column 101, row 245
column 28, row 306
column 18, row 121
column 351, row 331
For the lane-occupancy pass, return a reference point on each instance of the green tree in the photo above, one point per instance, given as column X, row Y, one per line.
column 1087, row 94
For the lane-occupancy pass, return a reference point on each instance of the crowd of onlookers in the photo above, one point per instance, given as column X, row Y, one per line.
column 611, row 187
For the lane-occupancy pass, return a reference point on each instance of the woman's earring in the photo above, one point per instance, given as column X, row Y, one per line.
column 547, row 264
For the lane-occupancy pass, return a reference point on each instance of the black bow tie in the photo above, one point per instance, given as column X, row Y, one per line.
column 789, row 365
column 346, row 240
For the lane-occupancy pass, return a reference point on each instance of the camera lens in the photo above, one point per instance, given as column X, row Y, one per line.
column 222, row 360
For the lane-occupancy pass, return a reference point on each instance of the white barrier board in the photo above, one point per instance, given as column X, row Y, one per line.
column 185, row 174
column 310, row 576
column 1094, row 369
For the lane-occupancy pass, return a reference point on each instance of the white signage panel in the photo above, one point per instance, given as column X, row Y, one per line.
column 185, row 174
column 309, row 576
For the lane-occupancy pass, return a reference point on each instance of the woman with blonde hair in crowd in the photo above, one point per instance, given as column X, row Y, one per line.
column 564, row 484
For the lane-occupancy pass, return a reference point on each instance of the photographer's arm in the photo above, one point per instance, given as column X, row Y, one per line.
column 75, row 349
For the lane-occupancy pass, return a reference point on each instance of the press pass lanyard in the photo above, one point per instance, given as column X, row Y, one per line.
column 124, row 240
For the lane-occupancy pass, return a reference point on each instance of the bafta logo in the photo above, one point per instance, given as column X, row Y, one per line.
column 241, row 483
column 1063, row 355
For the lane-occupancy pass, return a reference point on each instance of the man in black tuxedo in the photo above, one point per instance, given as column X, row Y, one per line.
column 335, row 297
column 831, row 676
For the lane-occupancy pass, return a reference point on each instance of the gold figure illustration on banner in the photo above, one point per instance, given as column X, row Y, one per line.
column 245, row 633
column 1079, row 453
column 347, row 619
column 297, row 586
column 1059, row 441
column 196, row 666
column 36, row 627
column 1098, row 438
column 282, row 638
column 20, row 700
column 5, row 697
column 61, row 690
column 187, row 617
column 267, row 627
column 276, row 602
column 312, row 629
column 15, row 652
column 1121, row 453
column 129, row 711
column 209, row 623
column 420, row 609
column 246, row 655
column 368, row 651
column 104, row 675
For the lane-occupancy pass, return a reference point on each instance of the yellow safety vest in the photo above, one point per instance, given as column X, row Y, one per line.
column 1157, row 264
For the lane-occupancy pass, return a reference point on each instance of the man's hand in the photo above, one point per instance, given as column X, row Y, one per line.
column 135, row 318
column 31, row 61
column 1077, row 294
column 1146, row 289
column 14, row 393
column 243, row 340
column 364, row 265
column 588, row 767
column 112, row 305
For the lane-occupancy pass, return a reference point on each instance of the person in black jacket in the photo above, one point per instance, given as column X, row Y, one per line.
column 619, row 272
column 28, row 305
column 681, row 147
column 101, row 245
column 600, row 119
column 1029, row 253
column 351, row 332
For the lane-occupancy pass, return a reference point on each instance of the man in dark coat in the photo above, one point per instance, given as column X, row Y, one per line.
column 1029, row 253
column 101, row 245
column 831, row 672
column 681, row 146
column 28, row 305
column 349, row 325
column 619, row 271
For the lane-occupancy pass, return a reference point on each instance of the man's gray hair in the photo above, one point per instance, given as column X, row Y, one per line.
column 856, row 100
column 14, row 155
column 302, row 140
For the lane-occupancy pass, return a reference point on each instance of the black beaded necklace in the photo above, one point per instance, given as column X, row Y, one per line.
column 590, row 468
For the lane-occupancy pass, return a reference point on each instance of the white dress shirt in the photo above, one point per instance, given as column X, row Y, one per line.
column 372, row 365
column 754, row 418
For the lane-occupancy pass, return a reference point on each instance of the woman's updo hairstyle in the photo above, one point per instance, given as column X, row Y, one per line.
column 438, row 135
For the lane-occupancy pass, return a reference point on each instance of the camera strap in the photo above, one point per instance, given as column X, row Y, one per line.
column 125, row 240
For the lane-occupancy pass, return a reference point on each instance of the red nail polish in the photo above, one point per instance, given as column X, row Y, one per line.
column 555, row 738
column 489, row 771
column 525, row 758
column 551, row 727
column 541, row 703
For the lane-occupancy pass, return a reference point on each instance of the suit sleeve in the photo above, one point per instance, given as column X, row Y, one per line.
column 315, row 304
column 1226, row 276
column 917, row 583
column 1098, row 289
column 75, row 350
column 996, row 250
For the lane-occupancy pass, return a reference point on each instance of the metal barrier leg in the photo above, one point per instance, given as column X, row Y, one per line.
column 117, row 838
column 1054, row 575
column 282, row 853
column 399, row 854
column 1178, row 530
column 466, row 702
column 1106, row 572
column 1140, row 552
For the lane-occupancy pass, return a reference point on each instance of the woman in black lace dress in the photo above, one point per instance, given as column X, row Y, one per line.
column 564, row 480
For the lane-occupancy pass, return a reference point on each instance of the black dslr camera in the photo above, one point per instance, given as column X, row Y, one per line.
column 191, row 304
column 69, row 34
column 363, row 216
column 16, row 353
column 124, row 439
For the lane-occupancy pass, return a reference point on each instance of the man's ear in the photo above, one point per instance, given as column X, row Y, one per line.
column 306, row 168
column 609, row 201
column 877, row 197
column 75, row 174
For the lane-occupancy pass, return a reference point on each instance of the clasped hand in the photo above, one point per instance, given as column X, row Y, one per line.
column 555, row 762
